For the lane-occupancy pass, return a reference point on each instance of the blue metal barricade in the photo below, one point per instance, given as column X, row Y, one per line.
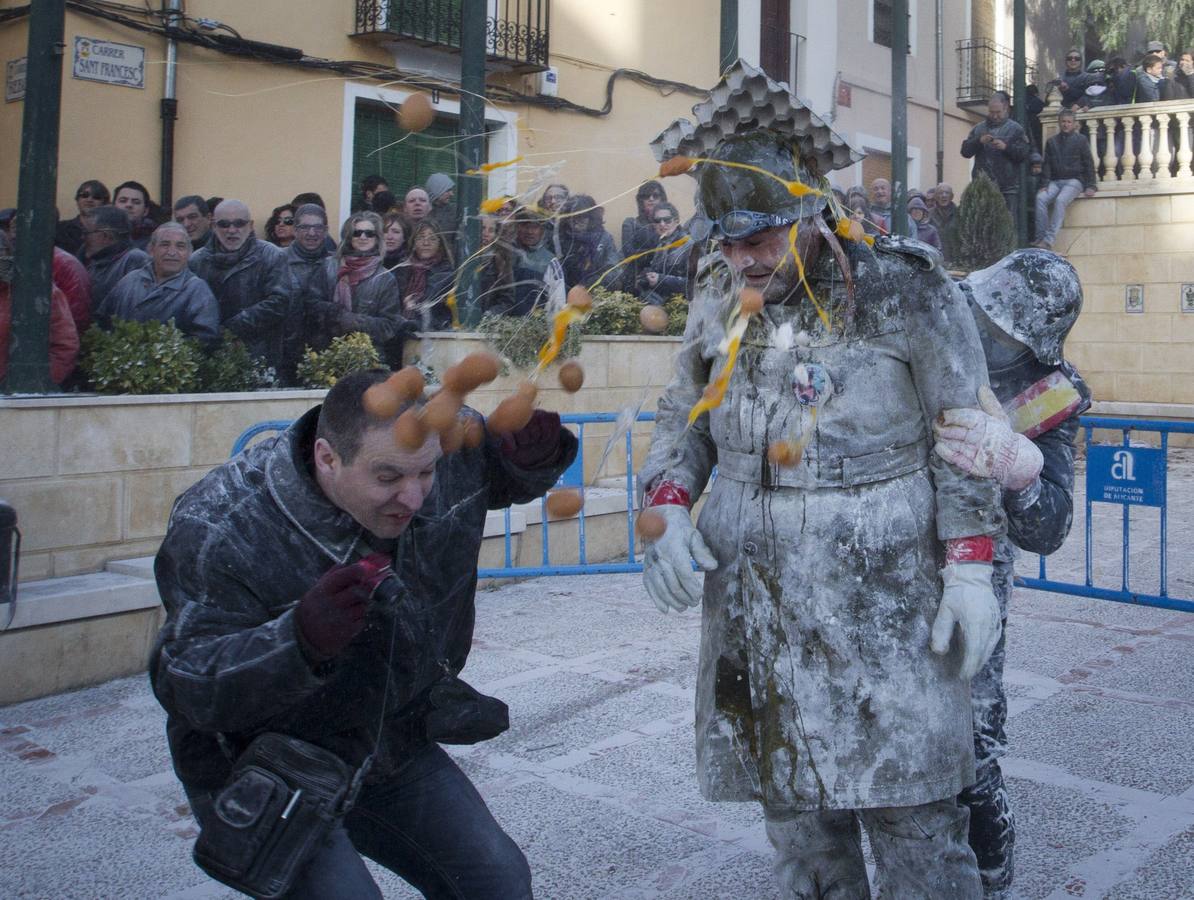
column 1121, row 473
column 572, row 477
column 1129, row 475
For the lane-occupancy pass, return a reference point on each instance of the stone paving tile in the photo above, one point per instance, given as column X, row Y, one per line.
column 1168, row 873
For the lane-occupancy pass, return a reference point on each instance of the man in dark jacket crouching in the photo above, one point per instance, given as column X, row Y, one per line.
column 283, row 617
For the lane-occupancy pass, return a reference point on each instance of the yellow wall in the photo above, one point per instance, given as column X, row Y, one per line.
column 263, row 132
column 1117, row 241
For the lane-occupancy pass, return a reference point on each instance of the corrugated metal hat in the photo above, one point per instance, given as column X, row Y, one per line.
column 750, row 119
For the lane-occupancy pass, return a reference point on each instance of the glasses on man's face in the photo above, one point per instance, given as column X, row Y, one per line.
column 312, row 229
column 286, row 220
column 232, row 223
column 664, row 220
column 1073, row 59
column 364, row 232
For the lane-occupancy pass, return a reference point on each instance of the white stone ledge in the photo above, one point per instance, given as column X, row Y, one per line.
column 81, row 597
column 1141, row 410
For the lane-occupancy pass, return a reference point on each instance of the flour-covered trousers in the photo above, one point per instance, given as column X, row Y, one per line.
column 920, row 853
column 1059, row 194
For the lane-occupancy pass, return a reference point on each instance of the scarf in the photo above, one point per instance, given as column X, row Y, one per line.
column 416, row 281
column 226, row 259
column 353, row 270
column 306, row 255
column 112, row 251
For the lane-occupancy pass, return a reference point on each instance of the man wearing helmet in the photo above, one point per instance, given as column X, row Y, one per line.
column 1023, row 437
column 828, row 688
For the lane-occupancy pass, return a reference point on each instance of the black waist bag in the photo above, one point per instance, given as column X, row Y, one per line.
column 282, row 799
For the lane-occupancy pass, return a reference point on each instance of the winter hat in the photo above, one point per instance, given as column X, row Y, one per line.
column 437, row 185
column 1095, row 65
column 1035, row 159
column 1154, row 46
column 917, row 203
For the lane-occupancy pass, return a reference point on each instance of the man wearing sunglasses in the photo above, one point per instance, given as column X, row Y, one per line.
column 249, row 280
column 837, row 572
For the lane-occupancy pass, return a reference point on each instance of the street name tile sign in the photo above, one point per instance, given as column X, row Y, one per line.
column 14, row 80
column 109, row 62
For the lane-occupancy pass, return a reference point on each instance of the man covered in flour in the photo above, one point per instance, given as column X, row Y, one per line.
column 847, row 597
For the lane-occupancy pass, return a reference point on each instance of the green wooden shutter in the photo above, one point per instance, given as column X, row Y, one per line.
column 378, row 148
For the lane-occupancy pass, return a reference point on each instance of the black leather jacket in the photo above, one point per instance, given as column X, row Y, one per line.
column 249, row 539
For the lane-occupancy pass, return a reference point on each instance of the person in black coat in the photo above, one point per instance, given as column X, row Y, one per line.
column 425, row 278
column 68, row 234
column 666, row 271
column 321, row 585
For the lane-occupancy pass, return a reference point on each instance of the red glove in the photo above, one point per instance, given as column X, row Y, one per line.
column 537, row 444
column 333, row 612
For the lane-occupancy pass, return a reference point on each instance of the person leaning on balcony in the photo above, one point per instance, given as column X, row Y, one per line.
column 108, row 251
column 1068, row 172
column 998, row 145
column 1183, row 77
column 248, row 277
column 64, row 337
column 1151, row 84
column 165, row 290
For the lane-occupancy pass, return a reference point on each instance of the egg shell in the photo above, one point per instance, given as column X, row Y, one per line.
column 407, row 383
column 453, row 439
column 677, row 165
column 653, row 319
column 416, row 112
column 751, row 300
column 477, row 369
column 650, row 525
column 564, row 503
column 474, row 434
column 580, row 297
column 440, row 412
column 785, row 454
column 512, row 414
column 381, row 401
column 409, row 430
column 572, row 376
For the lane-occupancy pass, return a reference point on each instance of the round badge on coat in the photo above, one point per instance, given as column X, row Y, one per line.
column 812, row 384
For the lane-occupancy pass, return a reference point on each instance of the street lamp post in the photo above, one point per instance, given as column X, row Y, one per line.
column 29, row 348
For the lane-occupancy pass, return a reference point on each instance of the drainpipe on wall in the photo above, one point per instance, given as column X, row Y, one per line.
column 940, row 91
column 899, row 117
column 29, row 343
column 169, row 107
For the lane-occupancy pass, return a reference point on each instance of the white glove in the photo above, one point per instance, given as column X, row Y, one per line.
column 982, row 443
column 968, row 601
column 667, row 562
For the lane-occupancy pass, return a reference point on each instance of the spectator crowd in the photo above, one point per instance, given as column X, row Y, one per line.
column 390, row 269
column 389, row 275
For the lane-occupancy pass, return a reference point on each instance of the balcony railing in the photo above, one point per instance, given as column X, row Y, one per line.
column 985, row 67
column 515, row 30
column 1150, row 146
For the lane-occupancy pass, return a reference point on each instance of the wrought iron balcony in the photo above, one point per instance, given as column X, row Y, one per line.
column 985, row 67
column 515, row 30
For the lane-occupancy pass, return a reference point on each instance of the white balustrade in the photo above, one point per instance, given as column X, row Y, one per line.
column 1136, row 147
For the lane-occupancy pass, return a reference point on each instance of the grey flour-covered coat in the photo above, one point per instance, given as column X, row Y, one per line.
column 817, row 688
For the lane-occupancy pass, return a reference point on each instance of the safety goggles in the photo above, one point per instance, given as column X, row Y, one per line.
column 232, row 223
column 738, row 225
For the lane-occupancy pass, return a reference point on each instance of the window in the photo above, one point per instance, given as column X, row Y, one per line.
column 376, row 149
column 880, row 16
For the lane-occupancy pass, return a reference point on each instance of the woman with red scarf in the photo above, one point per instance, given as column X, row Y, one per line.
column 426, row 279
column 360, row 294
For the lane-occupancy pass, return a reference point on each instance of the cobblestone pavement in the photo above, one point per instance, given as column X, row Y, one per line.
column 595, row 778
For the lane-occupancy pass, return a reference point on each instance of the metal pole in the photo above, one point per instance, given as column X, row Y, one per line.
column 899, row 117
column 29, row 348
column 1019, row 77
column 728, row 51
column 472, row 130
column 169, row 108
column 940, row 91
